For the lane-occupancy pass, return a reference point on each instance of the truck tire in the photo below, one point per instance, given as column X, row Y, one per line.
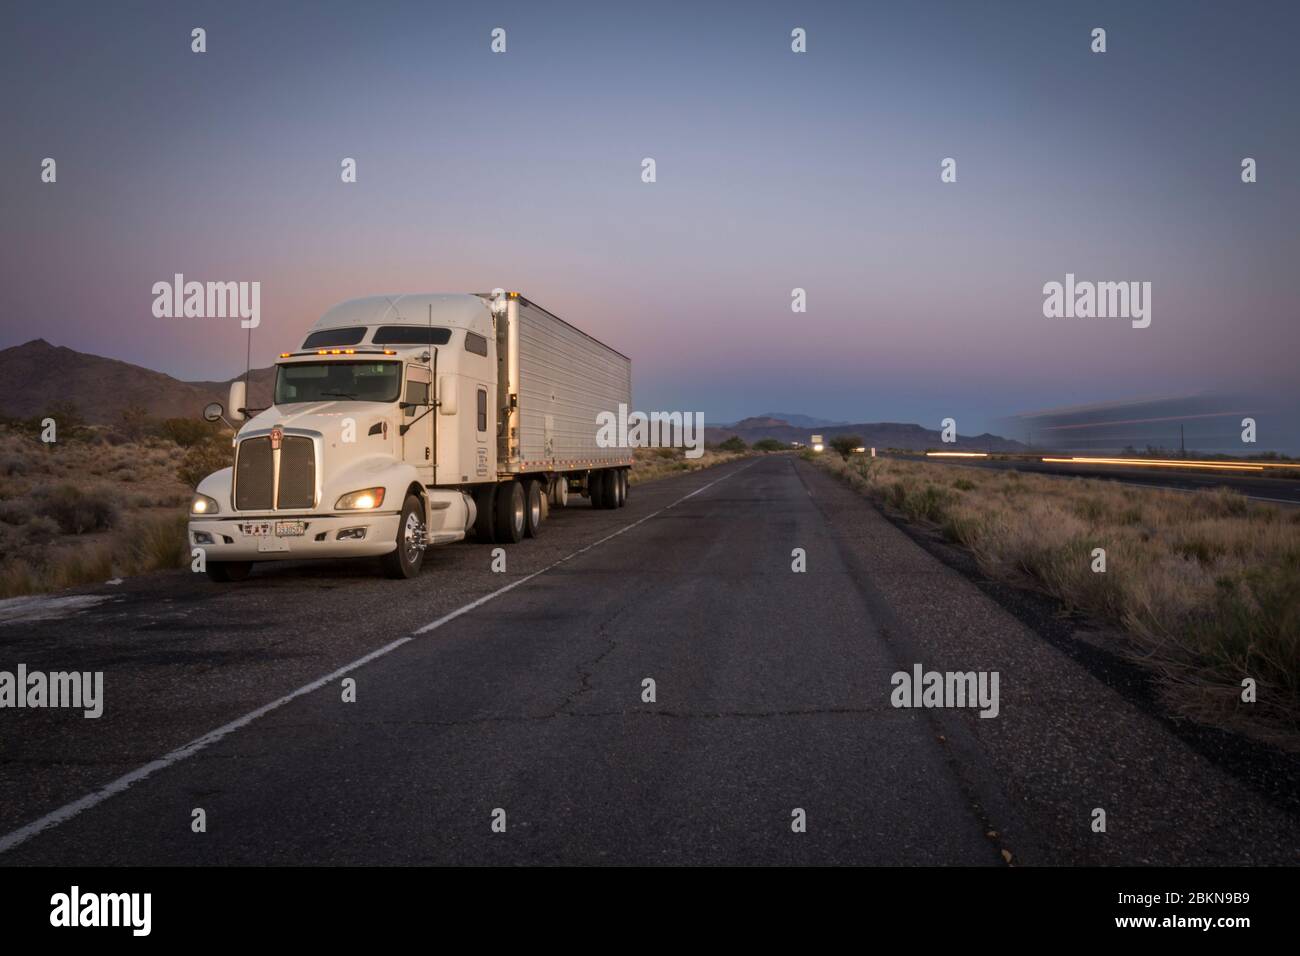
column 560, row 491
column 622, row 486
column 616, row 484
column 225, row 572
column 596, row 488
column 405, row 560
column 609, row 489
column 510, row 513
column 485, row 506
column 535, row 508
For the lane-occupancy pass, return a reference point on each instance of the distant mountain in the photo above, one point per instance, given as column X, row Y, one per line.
column 801, row 421
column 37, row 375
column 877, row 435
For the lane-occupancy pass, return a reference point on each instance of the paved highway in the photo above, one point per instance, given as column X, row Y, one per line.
column 523, row 692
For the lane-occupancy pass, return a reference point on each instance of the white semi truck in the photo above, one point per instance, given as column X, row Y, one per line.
column 407, row 421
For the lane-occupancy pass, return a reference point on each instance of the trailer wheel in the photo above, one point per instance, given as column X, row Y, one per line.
column 225, row 572
column 596, row 488
column 621, row 481
column 561, row 493
column 510, row 512
column 535, row 510
column 405, row 560
column 485, row 508
column 608, row 488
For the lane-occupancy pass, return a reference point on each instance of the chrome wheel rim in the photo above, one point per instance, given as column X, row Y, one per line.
column 412, row 537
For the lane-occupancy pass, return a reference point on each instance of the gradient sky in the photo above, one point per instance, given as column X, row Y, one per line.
column 775, row 170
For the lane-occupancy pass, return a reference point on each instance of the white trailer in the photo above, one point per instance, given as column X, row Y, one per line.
column 407, row 421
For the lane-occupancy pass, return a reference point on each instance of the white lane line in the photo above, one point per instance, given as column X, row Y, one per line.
column 66, row 813
column 451, row 616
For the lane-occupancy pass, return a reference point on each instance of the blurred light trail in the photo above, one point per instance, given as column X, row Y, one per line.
column 1159, row 463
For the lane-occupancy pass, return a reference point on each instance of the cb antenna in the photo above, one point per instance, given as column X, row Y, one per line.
column 248, row 366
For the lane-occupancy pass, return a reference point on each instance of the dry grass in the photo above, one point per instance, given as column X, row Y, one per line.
column 1205, row 585
column 89, row 509
column 649, row 464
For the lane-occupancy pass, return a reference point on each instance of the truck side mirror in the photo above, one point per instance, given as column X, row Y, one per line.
column 212, row 412
column 446, row 395
column 238, row 400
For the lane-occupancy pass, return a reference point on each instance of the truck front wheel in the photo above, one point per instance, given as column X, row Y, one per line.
column 485, row 504
column 404, row 561
column 510, row 513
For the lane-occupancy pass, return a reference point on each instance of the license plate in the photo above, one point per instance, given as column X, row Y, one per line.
column 280, row 529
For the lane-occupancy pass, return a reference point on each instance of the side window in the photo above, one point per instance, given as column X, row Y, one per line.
column 417, row 393
column 475, row 343
column 482, row 409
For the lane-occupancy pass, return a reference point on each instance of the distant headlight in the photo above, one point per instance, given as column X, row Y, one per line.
column 362, row 500
column 203, row 505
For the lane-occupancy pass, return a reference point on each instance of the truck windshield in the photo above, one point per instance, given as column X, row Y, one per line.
column 338, row 381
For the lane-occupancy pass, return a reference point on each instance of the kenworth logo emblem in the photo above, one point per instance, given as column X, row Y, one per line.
column 277, row 437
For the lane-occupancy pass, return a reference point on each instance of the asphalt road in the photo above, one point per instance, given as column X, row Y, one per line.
column 1284, row 491
column 772, row 695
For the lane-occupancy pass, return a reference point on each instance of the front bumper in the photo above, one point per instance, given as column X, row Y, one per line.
column 227, row 538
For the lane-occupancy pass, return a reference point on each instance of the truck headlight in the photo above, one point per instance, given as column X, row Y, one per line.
column 203, row 505
column 362, row 500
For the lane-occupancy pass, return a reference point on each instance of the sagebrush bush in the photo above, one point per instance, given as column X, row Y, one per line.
column 203, row 459
column 76, row 511
column 187, row 432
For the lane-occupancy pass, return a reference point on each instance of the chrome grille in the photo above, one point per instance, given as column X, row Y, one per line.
column 297, row 473
column 255, row 474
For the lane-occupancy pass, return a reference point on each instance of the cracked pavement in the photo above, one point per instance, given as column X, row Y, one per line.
column 772, row 693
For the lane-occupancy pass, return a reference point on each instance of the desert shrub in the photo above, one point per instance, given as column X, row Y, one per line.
column 16, row 511
column 68, row 420
column 734, row 443
column 203, row 459
column 40, row 530
column 769, row 444
column 844, row 444
column 187, row 432
column 12, row 465
column 134, row 422
column 76, row 511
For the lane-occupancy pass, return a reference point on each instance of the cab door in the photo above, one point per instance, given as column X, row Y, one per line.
column 418, row 421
